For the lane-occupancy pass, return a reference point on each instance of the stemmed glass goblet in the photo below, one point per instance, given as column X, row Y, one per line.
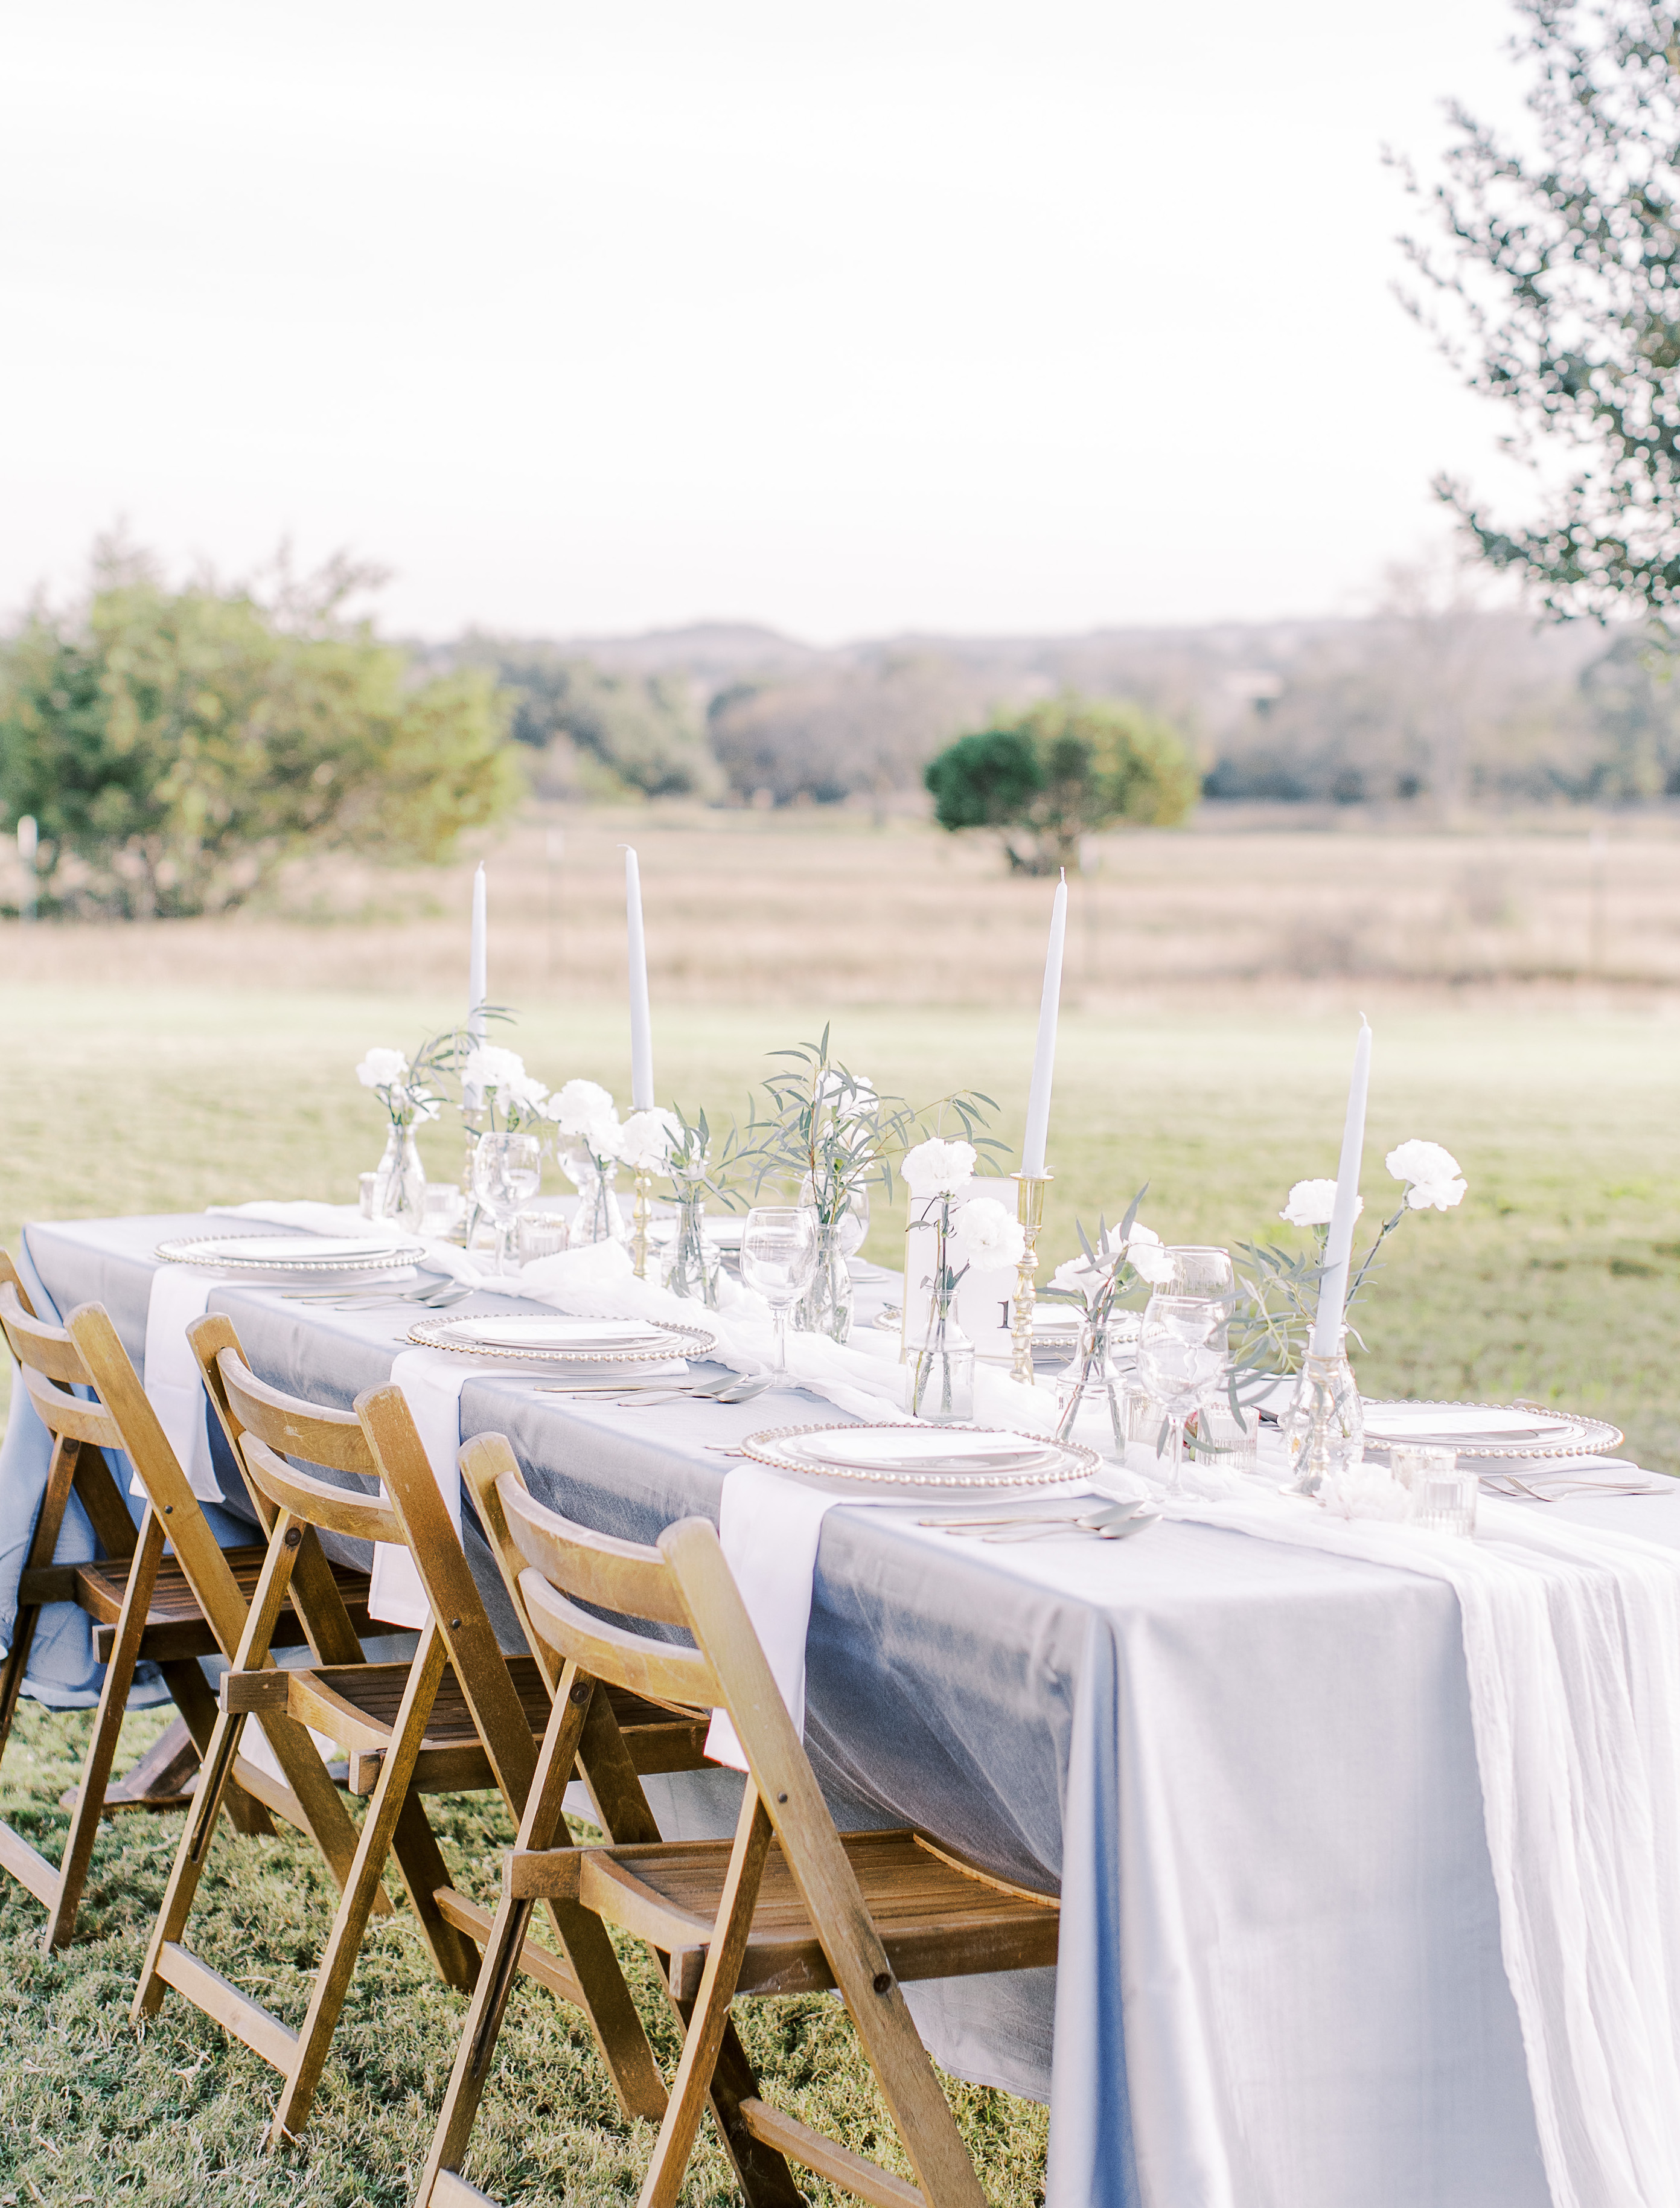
column 778, row 1255
column 506, row 1172
column 1181, row 1357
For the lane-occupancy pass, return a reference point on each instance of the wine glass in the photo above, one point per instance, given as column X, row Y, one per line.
column 506, row 1172
column 778, row 1255
column 1181, row 1357
column 1202, row 1274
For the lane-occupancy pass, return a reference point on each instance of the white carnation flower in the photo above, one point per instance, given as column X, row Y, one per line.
column 1148, row 1256
column 383, row 1068
column 579, row 1103
column 489, row 1067
column 985, row 1235
column 1364, row 1491
column 849, row 1098
column 938, row 1168
column 647, row 1139
column 1432, row 1176
column 604, row 1138
column 1312, row 1202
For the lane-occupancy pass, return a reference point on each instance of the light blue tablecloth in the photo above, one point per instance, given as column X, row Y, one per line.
column 1322, row 2021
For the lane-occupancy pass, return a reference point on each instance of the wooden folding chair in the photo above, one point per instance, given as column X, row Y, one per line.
column 459, row 1716
column 788, row 1906
column 145, row 1605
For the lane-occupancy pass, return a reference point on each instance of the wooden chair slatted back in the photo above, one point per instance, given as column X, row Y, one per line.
column 317, row 1434
column 334, row 1509
column 69, row 1416
column 316, row 1594
column 563, row 1558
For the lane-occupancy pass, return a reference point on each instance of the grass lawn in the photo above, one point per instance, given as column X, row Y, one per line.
column 1559, row 1278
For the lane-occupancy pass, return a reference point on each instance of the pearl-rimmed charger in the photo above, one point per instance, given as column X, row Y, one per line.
column 914, row 1457
column 290, row 1254
column 556, row 1338
column 1517, row 1430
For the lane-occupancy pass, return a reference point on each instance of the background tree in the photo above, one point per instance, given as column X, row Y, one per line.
column 1561, row 299
column 175, row 747
column 1062, row 770
column 647, row 732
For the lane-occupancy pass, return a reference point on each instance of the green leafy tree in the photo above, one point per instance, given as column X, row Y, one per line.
column 1062, row 770
column 1560, row 296
column 175, row 747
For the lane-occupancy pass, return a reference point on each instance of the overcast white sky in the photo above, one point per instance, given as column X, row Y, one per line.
column 899, row 314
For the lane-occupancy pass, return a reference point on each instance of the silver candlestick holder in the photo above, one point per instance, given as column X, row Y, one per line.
column 1029, row 1210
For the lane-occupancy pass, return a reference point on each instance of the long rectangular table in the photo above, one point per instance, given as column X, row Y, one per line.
column 1248, row 1767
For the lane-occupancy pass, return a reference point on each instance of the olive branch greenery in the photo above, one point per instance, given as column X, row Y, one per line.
column 828, row 1128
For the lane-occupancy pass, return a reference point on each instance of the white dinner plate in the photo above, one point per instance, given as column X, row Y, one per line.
column 914, row 1455
column 551, row 1337
column 1488, row 1430
column 292, row 1253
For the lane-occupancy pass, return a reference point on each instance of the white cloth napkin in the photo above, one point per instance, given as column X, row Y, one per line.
column 1572, row 1649
column 174, row 1385
column 771, row 1526
column 431, row 1381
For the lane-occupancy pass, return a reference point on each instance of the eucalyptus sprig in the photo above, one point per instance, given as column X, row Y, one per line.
column 1111, row 1265
column 829, row 1129
column 696, row 1162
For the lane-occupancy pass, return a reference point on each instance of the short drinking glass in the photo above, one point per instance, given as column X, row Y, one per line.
column 506, row 1172
column 778, row 1255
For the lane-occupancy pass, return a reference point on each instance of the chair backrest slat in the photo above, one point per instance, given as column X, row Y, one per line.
column 38, row 1346
column 621, row 1576
column 663, row 1671
column 291, row 1428
column 68, row 1415
column 336, row 1509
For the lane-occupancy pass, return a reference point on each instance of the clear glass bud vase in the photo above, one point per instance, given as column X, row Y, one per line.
column 693, row 1262
column 1324, row 1426
column 826, row 1306
column 400, row 1185
column 1090, row 1393
column 939, row 1377
column 598, row 1216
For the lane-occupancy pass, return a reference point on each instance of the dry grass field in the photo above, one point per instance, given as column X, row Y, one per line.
column 1523, row 991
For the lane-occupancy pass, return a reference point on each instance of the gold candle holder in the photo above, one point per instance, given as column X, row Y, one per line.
column 1029, row 1210
column 639, row 1222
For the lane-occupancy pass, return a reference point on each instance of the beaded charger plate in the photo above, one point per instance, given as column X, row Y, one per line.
column 291, row 1253
column 1518, row 1431
column 554, row 1338
column 916, row 1456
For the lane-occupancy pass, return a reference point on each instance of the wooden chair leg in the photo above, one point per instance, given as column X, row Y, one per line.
column 48, row 1522
column 611, row 2012
column 197, row 1705
column 190, row 1856
column 102, row 1748
column 710, row 2016
column 338, row 1962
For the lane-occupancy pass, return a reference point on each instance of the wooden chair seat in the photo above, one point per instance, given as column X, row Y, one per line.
column 934, row 1917
column 175, row 1627
column 359, row 1705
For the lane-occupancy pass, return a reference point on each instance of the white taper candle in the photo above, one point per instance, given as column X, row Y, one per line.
column 1044, row 1058
column 641, row 1028
column 477, row 987
column 1339, row 1244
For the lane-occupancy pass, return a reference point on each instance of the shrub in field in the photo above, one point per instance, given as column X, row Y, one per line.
column 1061, row 771
column 177, row 746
